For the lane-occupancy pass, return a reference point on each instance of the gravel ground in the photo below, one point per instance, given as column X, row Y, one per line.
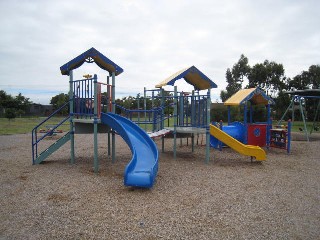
column 229, row 198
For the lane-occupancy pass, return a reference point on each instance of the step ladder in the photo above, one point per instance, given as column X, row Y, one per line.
column 54, row 147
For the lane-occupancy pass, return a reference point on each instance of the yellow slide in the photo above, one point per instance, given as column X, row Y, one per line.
column 248, row 150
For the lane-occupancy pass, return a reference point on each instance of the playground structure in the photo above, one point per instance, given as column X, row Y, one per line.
column 190, row 112
column 298, row 99
column 248, row 137
column 92, row 110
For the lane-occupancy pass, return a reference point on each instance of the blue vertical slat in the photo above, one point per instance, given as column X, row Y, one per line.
column 82, row 99
column 92, row 97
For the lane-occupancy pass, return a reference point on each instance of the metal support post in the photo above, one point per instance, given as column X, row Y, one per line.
column 208, row 127
column 245, row 121
column 71, row 98
column 304, row 120
column 175, row 112
column 95, row 125
column 269, row 125
column 108, row 109
column 145, row 107
column 162, row 117
column 289, row 136
column 113, row 111
column 291, row 105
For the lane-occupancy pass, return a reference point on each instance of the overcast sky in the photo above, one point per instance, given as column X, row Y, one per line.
column 150, row 40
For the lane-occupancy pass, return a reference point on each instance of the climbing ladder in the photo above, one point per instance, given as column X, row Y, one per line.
column 36, row 140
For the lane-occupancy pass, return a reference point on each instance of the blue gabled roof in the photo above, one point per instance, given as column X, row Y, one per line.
column 92, row 55
column 191, row 75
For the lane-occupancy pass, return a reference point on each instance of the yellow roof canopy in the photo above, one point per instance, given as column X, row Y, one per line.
column 191, row 75
column 254, row 95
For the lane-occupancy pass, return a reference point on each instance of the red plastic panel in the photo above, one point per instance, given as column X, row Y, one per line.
column 257, row 134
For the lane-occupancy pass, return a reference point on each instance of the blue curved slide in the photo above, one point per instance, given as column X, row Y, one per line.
column 143, row 167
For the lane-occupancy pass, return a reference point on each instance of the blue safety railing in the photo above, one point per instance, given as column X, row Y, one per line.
column 83, row 92
column 154, row 117
column 192, row 111
column 49, row 132
column 84, row 98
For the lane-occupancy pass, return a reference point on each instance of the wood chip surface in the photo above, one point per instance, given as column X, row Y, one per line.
column 229, row 198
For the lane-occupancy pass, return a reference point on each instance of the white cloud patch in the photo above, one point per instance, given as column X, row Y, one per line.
column 151, row 40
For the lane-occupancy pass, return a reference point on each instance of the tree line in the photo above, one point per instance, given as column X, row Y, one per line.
column 268, row 75
column 12, row 106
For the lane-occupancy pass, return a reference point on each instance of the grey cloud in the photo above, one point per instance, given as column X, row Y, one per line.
column 153, row 39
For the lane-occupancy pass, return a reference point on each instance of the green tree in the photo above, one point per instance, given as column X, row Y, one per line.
column 232, row 86
column 307, row 79
column 241, row 70
column 58, row 100
column 132, row 102
column 3, row 98
column 168, row 101
column 7, row 101
column 19, row 103
column 23, row 102
column 10, row 113
column 235, row 77
column 20, row 112
column 281, row 103
column 314, row 76
column 269, row 76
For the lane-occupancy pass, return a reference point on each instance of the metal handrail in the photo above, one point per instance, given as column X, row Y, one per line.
column 35, row 139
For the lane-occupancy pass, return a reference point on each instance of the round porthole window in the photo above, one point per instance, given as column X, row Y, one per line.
column 256, row 132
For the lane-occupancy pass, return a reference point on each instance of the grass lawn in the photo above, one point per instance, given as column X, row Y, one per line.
column 25, row 125
column 148, row 127
column 299, row 124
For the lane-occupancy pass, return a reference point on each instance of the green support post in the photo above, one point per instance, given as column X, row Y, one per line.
column 192, row 118
column 181, row 112
column 153, row 115
column 71, row 117
column 95, row 125
column 162, row 117
column 304, row 120
column 291, row 105
column 292, row 110
column 175, row 112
